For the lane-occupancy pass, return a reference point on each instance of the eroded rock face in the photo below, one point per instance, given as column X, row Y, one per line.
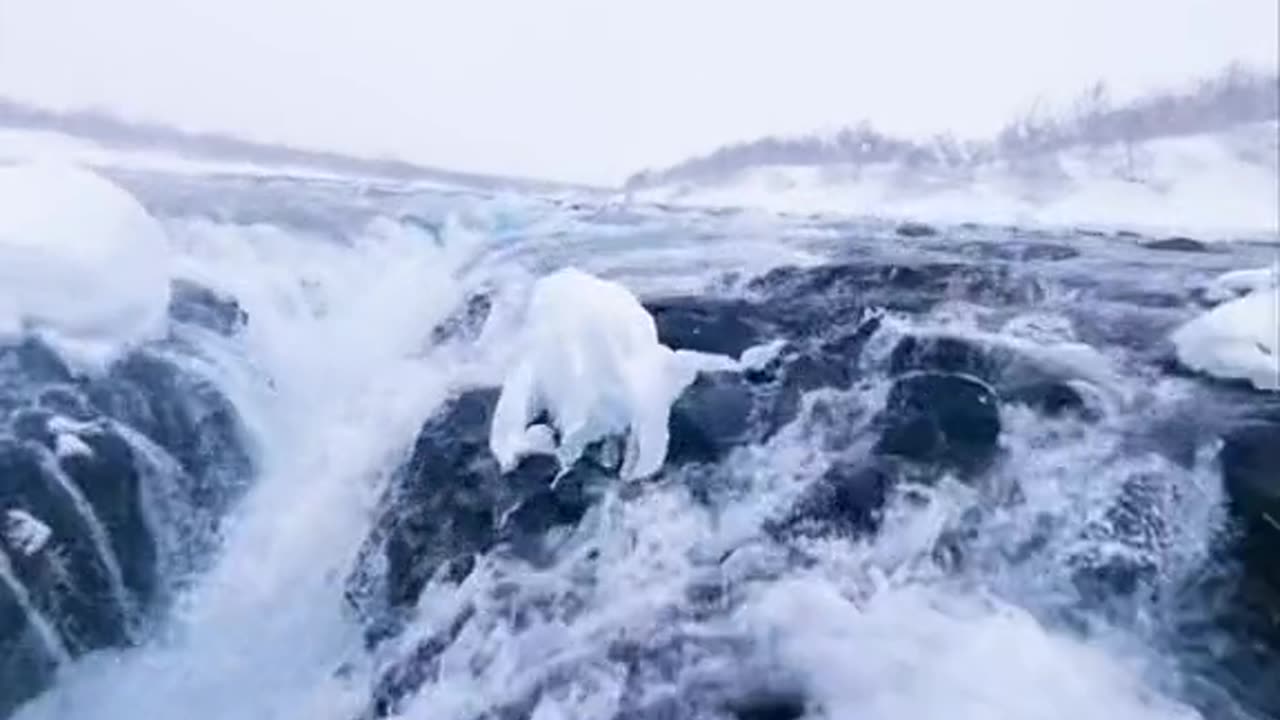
column 110, row 491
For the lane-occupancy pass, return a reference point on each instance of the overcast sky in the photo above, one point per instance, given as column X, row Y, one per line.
column 591, row 90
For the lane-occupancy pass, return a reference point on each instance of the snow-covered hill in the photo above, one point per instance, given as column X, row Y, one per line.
column 1222, row 184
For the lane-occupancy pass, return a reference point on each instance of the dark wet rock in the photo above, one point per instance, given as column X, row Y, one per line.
column 1050, row 397
column 466, row 322
column 451, row 501
column 1250, row 461
column 769, row 706
column 198, row 305
column 27, row 664
column 185, row 415
column 816, row 298
column 108, row 477
column 848, row 499
column 65, row 401
column 68, row 467
column 825, row 307
column 25, row 368
column 1177, row 244
column 951, row 420
column 91, row 613
column 1015, row 378
column 1129, row 234
column 943, row 353
column 710, row 418
column 707, row 325
column 822, row 335
column 915, row 230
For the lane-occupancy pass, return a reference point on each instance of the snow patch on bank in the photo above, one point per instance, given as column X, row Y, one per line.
column 1217, row 185
column 1240, row 339
column 592, row 362
column 82, row 264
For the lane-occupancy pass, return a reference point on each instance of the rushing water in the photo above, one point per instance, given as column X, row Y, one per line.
column 1078, row 573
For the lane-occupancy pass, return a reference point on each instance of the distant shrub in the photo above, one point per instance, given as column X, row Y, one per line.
column 1235, row 96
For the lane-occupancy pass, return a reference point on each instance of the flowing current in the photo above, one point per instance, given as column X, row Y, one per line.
column 1084, row 565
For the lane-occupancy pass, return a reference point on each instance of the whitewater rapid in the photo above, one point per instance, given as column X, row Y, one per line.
column 345, row 285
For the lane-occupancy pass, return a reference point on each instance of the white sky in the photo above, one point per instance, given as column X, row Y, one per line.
column 591, row 90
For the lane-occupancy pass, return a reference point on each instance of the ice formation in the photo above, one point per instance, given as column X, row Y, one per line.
column 1241, row 282
column 591, row 360
column 1238, row 340
column 82, row 264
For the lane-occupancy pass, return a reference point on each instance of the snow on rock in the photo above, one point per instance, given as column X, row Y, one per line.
column 25, row 533
column 82, row 264
column 591, row 361
column 1238, row 340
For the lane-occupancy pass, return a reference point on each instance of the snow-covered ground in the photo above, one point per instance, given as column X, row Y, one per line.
column 1219, row 185
column 24, row 145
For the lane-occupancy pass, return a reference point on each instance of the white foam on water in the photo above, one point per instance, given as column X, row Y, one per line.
column 915, row 652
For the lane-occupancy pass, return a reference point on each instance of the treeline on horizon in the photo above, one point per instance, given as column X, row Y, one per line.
column 115, row 132
column 1235, row 96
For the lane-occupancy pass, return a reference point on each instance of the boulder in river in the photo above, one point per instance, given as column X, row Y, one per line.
column 949, row 419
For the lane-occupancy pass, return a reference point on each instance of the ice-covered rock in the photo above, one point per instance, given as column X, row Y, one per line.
column 590, row 359
column 25, row 533
column 1238, row 340
column 82, row 263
